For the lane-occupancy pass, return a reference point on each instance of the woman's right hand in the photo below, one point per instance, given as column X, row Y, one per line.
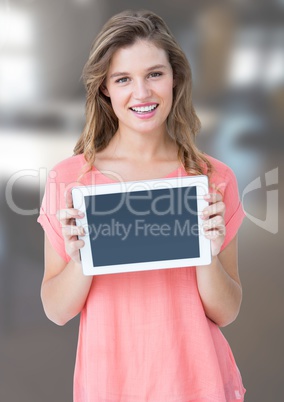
column 70, row 231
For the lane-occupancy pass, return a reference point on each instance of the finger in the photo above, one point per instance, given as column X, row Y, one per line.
column 68, row 214
column 68, row 199
column 214, row 209
column 212, row 234
column 73, row 247
column 70, row 231
column 213, row 197
column 216, row 223
column 215, row 232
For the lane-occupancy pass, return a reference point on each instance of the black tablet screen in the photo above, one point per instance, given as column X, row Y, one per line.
column 143, row 226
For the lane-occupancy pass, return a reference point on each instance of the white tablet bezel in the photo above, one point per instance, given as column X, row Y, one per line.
column 79, row 192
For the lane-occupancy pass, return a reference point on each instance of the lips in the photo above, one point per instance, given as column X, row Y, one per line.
column 146, row 108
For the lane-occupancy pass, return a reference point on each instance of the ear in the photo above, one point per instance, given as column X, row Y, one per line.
column 104, row 90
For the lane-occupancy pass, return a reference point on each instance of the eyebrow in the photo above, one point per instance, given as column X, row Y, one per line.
column 155, row 67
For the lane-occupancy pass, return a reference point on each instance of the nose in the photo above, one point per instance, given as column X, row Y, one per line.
column 141, row 89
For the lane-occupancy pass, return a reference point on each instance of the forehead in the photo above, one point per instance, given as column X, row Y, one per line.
column 142, row 54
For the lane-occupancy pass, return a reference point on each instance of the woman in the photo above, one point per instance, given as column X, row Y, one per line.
column 152, row 335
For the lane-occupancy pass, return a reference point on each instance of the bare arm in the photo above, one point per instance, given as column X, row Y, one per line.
column 219, row 283
column 64, row 287
column 219, row 286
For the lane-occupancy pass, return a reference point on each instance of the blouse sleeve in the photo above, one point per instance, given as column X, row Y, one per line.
column 234, row 213
column 53, row 200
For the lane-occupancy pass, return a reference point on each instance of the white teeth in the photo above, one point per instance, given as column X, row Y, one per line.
column 144, row 109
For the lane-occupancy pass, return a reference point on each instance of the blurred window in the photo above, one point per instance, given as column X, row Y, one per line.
column 257, row 58
column 17, row 63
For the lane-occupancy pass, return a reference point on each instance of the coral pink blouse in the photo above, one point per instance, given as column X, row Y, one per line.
column 144, row 336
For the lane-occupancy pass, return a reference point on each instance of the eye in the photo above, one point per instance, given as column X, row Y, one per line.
column 155, row 74
column 122, row 80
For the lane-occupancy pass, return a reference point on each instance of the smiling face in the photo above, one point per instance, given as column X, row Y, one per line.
column 140, row 86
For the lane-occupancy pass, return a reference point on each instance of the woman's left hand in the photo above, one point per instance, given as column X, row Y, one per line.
column 214, row 222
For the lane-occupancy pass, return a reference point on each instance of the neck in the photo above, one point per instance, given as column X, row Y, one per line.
column 142, row 146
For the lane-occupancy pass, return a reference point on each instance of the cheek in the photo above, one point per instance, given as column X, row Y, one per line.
column 168, row 90
column 113, row 99
column 117, row 101
column 118, row 97
column 168, row 95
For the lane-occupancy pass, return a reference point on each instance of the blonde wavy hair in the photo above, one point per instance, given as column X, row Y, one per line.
column 123, row 30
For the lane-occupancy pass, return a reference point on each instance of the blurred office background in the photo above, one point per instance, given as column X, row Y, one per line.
column 236, row 49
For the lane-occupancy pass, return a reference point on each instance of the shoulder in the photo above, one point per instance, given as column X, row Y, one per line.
column 220, row 171
column 69, row 169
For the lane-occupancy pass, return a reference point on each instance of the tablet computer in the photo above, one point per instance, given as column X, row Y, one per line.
column 143, row 225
